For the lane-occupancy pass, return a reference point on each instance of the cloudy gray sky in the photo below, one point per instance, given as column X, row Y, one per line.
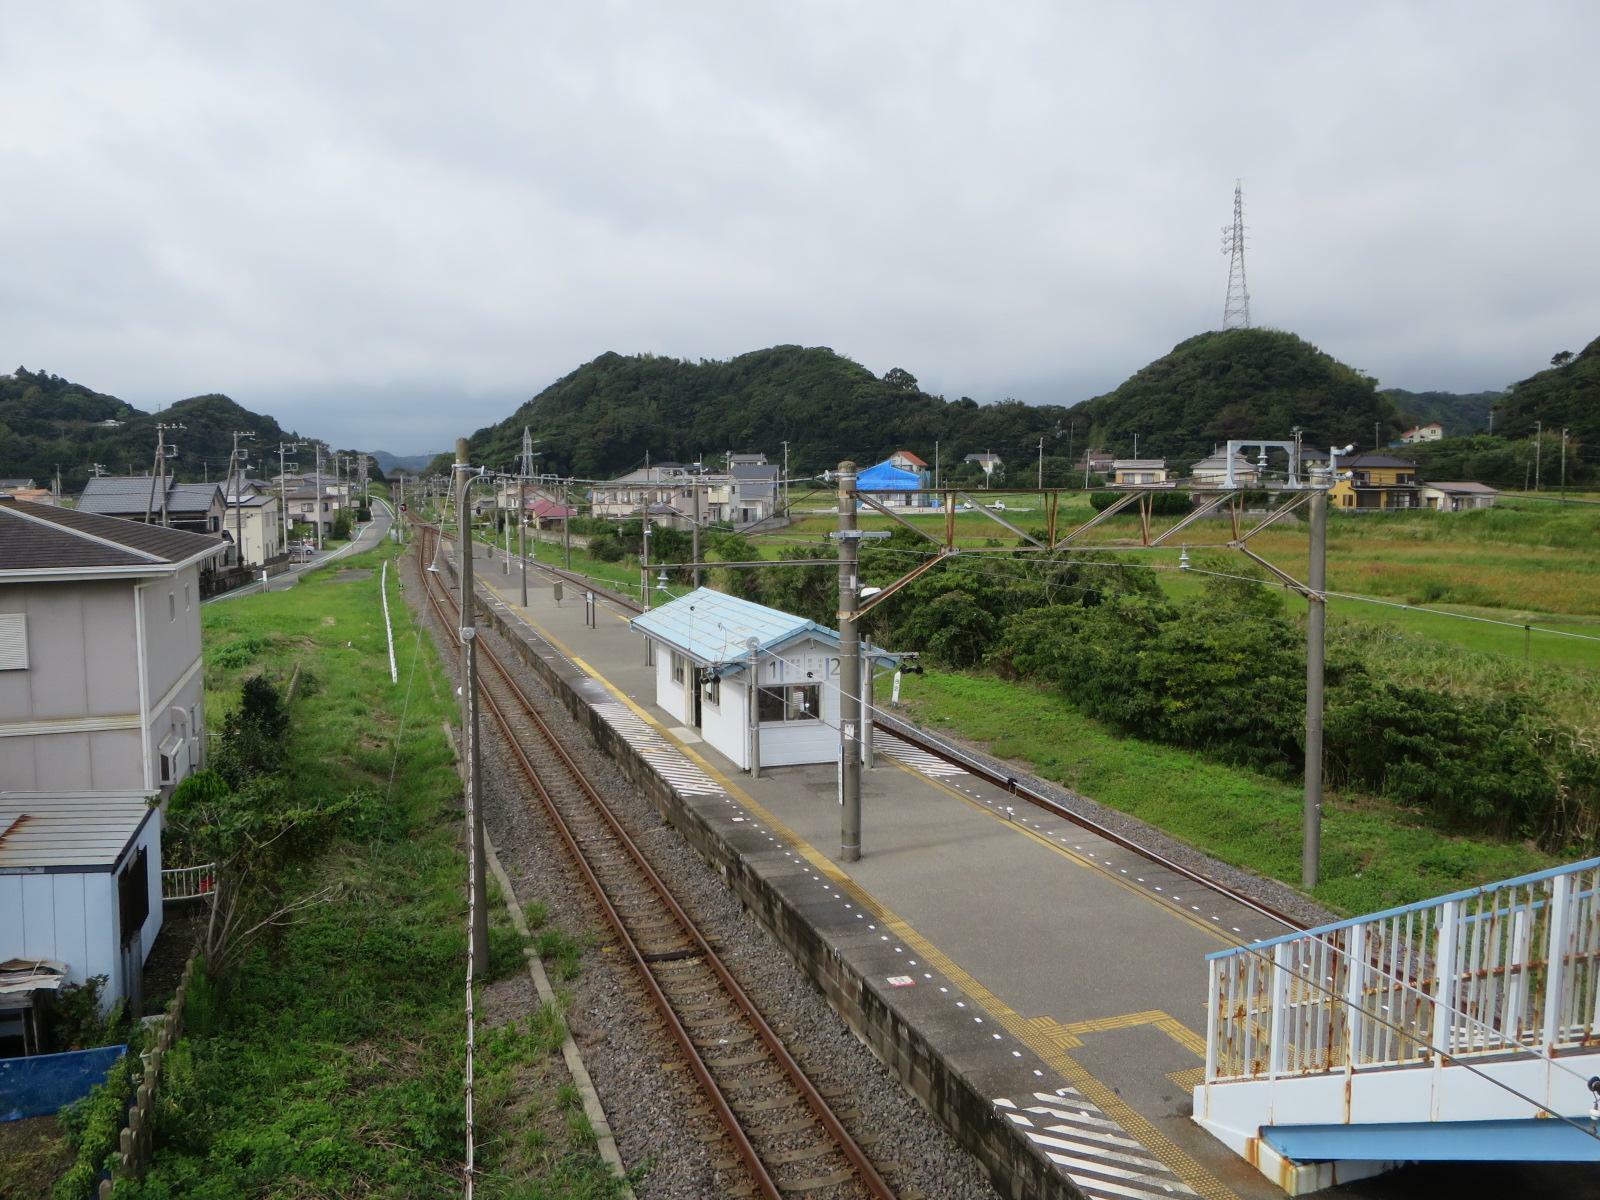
column 388, row 223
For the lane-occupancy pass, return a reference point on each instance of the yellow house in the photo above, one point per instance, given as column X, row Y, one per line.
column 1374, row 481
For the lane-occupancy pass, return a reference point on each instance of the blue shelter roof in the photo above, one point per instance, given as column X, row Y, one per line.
column 714, row 629
column 887, row 478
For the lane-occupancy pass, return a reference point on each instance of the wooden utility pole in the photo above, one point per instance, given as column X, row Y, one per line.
column 469, row 717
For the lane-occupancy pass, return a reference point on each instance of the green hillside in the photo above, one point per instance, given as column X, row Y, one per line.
column 48, row 422
column 1461, row 413
column 1233, row 384
column 1566, row 396
column 607, row 415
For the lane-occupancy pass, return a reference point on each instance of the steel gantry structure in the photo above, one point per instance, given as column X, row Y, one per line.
column 1227, row 500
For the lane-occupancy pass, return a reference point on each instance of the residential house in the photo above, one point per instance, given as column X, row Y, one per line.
column 1140, row 472
column 754, row 488
column 1099, row 462
column 196, row 507
column 304, row 503
column 989, row 462
column 1457, row 497
column 1212, row 471
column 9, row 486
column 36, row 495
column 744, row 495
column 706, row 646
column 891, row 486
column 906, row 460
column 254, row 514
column 1431, row 432
column 100, row 680
column 80, row 886
column 1373, row 481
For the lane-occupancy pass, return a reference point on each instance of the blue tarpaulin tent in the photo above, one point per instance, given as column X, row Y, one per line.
column 887, row 478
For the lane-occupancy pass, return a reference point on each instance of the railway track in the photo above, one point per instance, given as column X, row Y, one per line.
column 782, row 1129
column 922, row 740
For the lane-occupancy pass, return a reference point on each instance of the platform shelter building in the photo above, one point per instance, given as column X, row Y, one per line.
column 708, row 646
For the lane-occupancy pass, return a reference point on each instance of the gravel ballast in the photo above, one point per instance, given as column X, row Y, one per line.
column 655, row 1108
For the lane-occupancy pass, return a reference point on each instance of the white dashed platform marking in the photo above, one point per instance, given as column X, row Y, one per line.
column 1091, row 1149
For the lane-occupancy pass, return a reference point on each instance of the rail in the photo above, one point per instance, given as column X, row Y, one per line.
column 697, row 947
column 1508, row 968
column 923, row 740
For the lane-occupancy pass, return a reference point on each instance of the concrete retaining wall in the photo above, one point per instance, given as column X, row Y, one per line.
column 1019, row 1170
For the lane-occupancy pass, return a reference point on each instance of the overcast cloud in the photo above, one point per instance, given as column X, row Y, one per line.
column 387, row 224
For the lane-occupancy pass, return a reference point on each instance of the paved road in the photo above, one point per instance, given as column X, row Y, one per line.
column 368, row 536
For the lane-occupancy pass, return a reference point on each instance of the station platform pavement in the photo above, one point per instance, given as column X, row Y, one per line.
column 1063, row 972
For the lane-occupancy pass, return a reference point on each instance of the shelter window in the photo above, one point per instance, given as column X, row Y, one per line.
column 713, row 690
column 791, row 702
column 677, row 667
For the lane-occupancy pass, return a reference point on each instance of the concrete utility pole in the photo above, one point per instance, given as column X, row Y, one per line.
column 1564, row 466
column 1041, row 464
column 1538, row 452
column 644, row 570
column 469, row 712
column 566, row 522
column 317, row 507
column 236, row 470
column 1316, row 624
column 785, row 496
column 694, row 552
column 158, row 476
column 849, row 671
column 522, row 508
column 283, row 486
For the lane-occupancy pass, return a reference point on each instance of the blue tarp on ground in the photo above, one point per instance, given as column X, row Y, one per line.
column 887, row 478
column 44, row 1084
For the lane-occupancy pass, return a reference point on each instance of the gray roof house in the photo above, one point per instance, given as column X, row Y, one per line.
column 102, row 707
column 100, row 683
column 197, row 507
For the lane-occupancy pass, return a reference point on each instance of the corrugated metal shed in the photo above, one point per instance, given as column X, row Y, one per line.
column 68, row 831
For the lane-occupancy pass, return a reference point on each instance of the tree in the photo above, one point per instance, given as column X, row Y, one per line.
column 901, row 379
column 1561, row 359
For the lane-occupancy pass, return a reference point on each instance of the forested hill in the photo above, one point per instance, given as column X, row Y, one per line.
column 605, row 417
column 1566, row 396
column 47, row 421
column 1461, row 413
column 1237, row 383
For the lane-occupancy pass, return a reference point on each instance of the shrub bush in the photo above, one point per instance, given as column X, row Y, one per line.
column 1172, row 503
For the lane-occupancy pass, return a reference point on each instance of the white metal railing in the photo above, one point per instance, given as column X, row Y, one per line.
column 1509, row 967
column 188, row 883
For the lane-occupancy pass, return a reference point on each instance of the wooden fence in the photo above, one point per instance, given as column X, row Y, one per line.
column 137, row 1140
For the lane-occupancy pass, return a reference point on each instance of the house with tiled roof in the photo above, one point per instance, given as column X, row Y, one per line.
column 100, row 680
column 196, row 507
column 1373, row 481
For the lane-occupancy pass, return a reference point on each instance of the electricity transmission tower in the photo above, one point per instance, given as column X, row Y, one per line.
column 1236, row 312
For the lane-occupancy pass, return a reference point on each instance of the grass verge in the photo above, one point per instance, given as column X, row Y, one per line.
column 330, row 1061
column 1374, row 854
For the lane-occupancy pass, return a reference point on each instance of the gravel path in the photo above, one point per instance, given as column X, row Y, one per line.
column 654, row 1107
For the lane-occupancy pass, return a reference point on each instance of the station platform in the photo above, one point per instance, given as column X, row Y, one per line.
column 1014, row 957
